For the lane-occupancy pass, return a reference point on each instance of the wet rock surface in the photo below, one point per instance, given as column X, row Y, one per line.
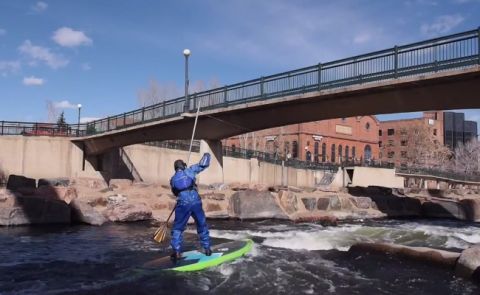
column 251, row 204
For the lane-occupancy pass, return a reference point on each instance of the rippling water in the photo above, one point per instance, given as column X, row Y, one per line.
column 286, row 259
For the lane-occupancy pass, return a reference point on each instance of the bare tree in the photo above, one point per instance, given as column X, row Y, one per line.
column 52, row 112
column 467, row 158
column 423, row 149
column 156, row 93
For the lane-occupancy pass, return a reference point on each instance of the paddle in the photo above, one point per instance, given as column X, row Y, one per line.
column 161, row 232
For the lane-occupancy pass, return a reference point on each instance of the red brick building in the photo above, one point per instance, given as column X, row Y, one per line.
column 335, row 140
column 395, row 135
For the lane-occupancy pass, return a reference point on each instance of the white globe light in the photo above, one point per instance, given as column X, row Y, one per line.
column 79, row 105
column 186, row 52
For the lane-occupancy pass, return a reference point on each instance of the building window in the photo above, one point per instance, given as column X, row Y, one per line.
column 380, row 132
column 403, row 143
column 367, row 126
column 391, row 154
column 286, row 147
column 332, row 156
column 403, row 154
column 340, row 150
column 435, row 132
column 346, row 153
column 367, row 153
column 390, row 132
column 390, row 143
column 380, row 143
column 233, row 148
column 324, row 152
column 353, row 153
column 403, row 131
column 315, row 152
column 308, row 156
column 294, row 149
column 308, row 143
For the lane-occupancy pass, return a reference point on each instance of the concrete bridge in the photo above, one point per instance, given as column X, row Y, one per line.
column 437, row 74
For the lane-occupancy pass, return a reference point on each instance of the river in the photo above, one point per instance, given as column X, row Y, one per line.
column 286, row 259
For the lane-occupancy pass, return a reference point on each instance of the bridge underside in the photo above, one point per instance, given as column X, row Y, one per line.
column 458, row 89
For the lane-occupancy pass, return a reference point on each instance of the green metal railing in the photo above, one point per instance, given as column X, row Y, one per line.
column 435, row 55
column 41, row 129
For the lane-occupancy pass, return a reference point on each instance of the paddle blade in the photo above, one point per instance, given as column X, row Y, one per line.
column 161, row 233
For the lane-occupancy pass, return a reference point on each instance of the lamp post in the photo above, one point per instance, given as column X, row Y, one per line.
column 78, row 122
column 186, row 106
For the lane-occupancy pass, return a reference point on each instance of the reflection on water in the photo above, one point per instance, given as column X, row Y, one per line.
column 287, row 259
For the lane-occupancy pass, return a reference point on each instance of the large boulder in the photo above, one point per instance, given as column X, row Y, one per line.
column 61, row 181
column 85, row 213
column 471, row 208
column 17, row 181
column 251, row 204
column 66, row 194
column 426, row 255
column 443, row 209
column 128, row 212
column 362, row 202
column 468, row 265
column 289, row 202
column 21, row 210
column 309, row 203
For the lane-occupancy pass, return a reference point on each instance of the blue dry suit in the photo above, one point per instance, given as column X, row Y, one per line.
column 189, row 204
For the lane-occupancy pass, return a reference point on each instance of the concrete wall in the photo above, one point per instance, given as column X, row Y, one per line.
column 367, row 176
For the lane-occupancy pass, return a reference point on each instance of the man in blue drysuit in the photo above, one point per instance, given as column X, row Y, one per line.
column 188, row 204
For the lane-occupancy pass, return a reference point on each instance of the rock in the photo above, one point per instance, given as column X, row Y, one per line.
column 288, row 201
column 218, row 186
column 239, row 187
column 17, row 181
column 427, row 255
column 294, row 189
column 128, row 212
column 20, row 210
column 471, row 208
column 213, row 196
column 98, row 202
column 116, row 199
column 277, row 188
column 310, row 203
column 317, row 217
column 259, row 187
column 334, row 203
column 54, row 182
column 255, row 205
column 217, row 215
column 468, row 265
column 362, row 202
column 85, row 213
column 212, row 207
column 92, row 183
column 120, row 183
column 323, row 203
column 159, row 206
column 443, row 209
column 345, row 203
column 66, row 194
column 395, row 206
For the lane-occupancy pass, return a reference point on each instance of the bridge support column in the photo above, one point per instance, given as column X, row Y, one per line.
column 214, row 174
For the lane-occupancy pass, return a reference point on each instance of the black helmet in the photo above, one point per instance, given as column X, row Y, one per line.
column 179, row 164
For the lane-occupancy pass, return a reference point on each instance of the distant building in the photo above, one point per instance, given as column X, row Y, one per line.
column 457, row 130
column 447, row 128
column 395, row 134
column 335, row 141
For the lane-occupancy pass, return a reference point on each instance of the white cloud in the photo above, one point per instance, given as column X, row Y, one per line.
column 39, row 7
column 442, row 25
column 88, row 119
column 64, row 104
column 33, row 81
column 9, row 67
column 38, row 53
column 68, row 37
column 2, row 32
column 86, row 66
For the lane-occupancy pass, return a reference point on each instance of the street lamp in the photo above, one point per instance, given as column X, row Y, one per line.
column 78, row 123
column 186, row 106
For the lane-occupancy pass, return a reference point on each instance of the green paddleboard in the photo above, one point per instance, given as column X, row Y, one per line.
column 196, row 260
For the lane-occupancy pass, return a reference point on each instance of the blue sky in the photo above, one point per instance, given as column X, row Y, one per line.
column 101, row 53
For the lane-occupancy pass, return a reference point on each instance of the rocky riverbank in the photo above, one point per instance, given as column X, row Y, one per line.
column 95, row 202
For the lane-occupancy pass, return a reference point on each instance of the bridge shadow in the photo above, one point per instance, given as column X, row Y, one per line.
column 113, row 164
